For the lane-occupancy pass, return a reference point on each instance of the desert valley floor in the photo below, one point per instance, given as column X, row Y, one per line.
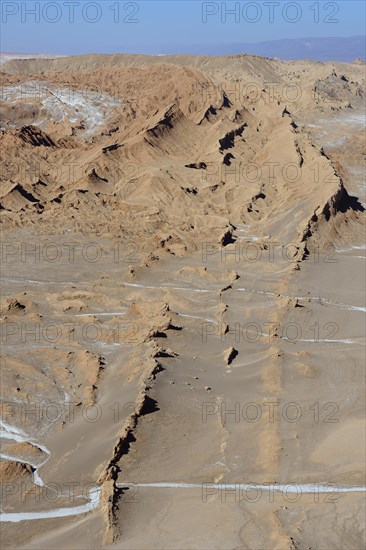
column 183, row 306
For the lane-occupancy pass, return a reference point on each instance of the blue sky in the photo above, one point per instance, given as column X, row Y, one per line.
column 107, row 26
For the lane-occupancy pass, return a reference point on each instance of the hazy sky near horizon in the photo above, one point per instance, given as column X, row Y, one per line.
column 149, row 26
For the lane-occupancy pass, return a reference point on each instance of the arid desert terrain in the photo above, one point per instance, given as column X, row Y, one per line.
column 183, row 303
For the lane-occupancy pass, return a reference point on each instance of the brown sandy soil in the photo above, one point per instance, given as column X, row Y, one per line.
column 184, row 306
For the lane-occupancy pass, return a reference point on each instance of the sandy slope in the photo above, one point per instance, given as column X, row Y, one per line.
column 197, row 278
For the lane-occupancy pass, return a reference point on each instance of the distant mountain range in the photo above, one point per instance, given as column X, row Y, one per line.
column 346, row 49
column 319, row 49
column 8, row 56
